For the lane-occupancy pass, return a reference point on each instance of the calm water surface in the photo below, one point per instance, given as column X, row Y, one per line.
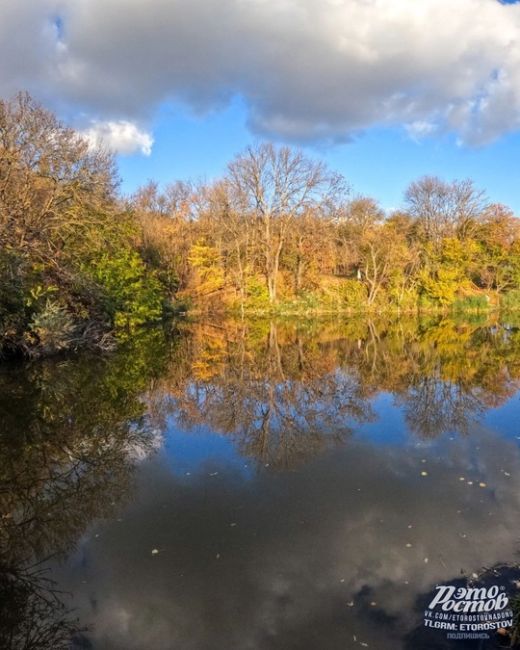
column 259, row 486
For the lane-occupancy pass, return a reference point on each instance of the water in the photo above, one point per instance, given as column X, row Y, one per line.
column 291, row 485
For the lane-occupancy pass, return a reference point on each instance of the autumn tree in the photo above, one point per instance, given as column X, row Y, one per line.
column 69, row 269
column 443, row 209
column 51, row 182
column 499, row 239
column 276, row 186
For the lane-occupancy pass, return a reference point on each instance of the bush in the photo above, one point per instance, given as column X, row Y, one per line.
column 471, row 303
column 353, row 294
column 511, row 300
column 257, row 295
column 130, row 294
column 53, row 327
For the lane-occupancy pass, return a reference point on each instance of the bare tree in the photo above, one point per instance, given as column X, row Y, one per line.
column 445, row 209
column 276, row 186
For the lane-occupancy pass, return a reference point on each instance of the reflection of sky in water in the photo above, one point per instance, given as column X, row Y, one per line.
column 506, row 419
column 308, row 494
column 342, row 548
column 187, row 453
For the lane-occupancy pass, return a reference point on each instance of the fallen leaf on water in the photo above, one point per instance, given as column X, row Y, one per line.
column 482, row 484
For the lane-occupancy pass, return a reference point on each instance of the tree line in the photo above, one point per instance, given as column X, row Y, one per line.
column 279, row 232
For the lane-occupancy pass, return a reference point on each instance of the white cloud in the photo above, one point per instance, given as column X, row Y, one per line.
column 420, row 129
column 307, row 70
column 121, row 137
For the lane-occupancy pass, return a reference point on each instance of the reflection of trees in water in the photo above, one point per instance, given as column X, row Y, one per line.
column 32, row 613
column 433, row 407
column 284, row 391
column 281, row 401
column 74, row 430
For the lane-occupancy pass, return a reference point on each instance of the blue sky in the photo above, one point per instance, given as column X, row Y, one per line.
column 379, row 162
column 385, row 92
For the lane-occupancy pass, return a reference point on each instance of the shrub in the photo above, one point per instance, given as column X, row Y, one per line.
column 130, row 294
column 511, row 300
column 471, row 303
column 353, row 294
column 53, row 327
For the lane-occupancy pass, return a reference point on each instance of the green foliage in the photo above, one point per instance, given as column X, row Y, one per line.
column 256, row 293
column 130, row 294
column 511, row 300
column 53, row 327
column 70, row 262
column 471, row 303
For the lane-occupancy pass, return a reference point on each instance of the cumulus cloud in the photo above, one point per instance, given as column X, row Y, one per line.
column 121, row 137
column 307, row 70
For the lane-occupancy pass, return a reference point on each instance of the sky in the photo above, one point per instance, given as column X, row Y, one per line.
column 383, row 91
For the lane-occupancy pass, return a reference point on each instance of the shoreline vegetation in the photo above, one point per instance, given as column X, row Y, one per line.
column 279, row 234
